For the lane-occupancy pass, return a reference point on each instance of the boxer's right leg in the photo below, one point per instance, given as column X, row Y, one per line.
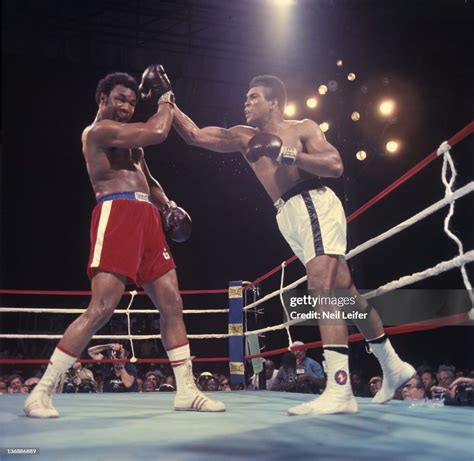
column 164, row 293
column 107, row 289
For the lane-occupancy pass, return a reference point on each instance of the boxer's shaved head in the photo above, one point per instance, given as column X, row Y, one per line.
column 275, row 88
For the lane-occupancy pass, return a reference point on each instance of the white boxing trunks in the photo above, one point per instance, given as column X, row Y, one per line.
column 312, row 220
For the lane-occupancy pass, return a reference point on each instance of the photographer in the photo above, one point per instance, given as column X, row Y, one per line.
column 77, row 379
column 461, row 392
column 118, row 377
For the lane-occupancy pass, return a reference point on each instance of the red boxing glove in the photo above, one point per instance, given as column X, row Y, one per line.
column 156, row 84
column 270, row 145
column 176, row 223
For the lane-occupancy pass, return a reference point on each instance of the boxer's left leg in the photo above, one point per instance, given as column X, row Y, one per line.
column 337, row 397
column 164, row 293
column 396, row 372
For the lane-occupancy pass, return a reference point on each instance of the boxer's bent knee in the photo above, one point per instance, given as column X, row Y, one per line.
column 100, row 311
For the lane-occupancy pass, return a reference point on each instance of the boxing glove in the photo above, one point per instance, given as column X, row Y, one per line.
column 156, row 84
column 176, row 222
column 270, row 145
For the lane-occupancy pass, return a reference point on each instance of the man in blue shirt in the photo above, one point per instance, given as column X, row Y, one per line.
column 310, row 377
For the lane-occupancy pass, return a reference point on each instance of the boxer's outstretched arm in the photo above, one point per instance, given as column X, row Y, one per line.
column 322, row 158
column 109, row 133
column 212, row 137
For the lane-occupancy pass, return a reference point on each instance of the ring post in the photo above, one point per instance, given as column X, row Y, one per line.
column 236, row 343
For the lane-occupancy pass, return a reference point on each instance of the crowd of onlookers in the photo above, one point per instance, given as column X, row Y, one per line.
column 297, row 373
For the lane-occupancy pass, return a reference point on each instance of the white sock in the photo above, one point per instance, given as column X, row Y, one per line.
column 180, row 360
column 386, row 355
column 337, row 369
column 59, row 363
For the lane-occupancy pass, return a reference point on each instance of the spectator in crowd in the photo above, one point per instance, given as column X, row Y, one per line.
column 15, row 385
column 170, row 381
column 310, row 377
column 359, row 388
column 375, row 383
column 139, row 384
column 270, row 375
column 212, row 384
column 148, row 386
column 224, row 384
column 461, row 380
column 203, row 380
column 156, row 369
column 285, row 380
column 120, row 377
column 428, row 378
column 153, row 377
column 445, row 375
column 413, row 389
column 3, row 387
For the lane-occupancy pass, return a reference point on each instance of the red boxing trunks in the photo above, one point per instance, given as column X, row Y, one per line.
column 127, row 238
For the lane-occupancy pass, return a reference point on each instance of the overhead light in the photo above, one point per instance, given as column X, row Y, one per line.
column 351, row 77
column 312, row 103
column 290, row 109
column 387, row 107
column 355, row 116
column 324, row 126
column 339, row 63
column 323, row 89
column 361, row 155
column 392, row 146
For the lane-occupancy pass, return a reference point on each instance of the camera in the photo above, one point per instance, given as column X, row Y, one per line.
column 464, row 396
column 86, row 386
column 69, row 387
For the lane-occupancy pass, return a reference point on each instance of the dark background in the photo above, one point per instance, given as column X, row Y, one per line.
column 54, row 53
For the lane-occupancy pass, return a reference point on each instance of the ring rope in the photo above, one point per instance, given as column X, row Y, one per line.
column 129, row 326
column 282, row 300
column 380, row 238
column 396, row 330
column 52, row 310
column 444, row 149
column 403, row 281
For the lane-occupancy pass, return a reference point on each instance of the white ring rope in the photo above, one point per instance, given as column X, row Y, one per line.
column 133, row 293
column 282, row 300
column 407, row 280
column 448, row 185
column 52, row 310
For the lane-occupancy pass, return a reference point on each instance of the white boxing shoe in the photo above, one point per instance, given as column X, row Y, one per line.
column 327, row 404
column 197, row 401
column 392, row 380
column 39, row 404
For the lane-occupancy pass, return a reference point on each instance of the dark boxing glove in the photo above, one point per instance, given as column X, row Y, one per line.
column 156, row 84
column 270, row 145
column 176, row 222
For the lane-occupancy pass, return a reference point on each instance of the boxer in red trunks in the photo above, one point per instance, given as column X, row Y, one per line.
column 127, row 241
